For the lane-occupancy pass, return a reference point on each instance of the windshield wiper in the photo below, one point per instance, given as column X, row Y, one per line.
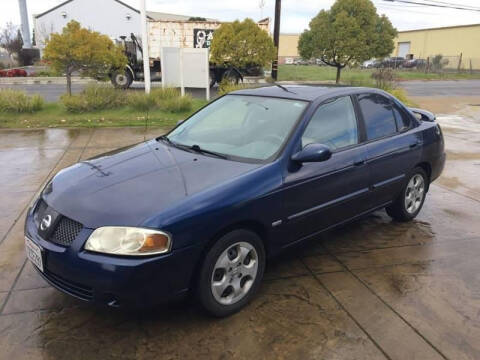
column 195, row 148
column 198, row 149
column 166, row 139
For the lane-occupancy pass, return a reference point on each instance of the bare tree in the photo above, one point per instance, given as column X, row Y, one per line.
column 11, row 39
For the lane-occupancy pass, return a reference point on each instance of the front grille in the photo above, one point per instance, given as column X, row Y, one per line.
column 80, row 291
column 66, row 231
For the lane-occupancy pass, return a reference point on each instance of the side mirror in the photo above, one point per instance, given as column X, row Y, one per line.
column 313, row 153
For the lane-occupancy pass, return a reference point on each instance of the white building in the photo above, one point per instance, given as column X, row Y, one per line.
column 110, row 17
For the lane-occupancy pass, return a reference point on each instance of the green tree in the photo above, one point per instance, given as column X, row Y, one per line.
column 350, row 32
column 83, row 50
column 242, row 43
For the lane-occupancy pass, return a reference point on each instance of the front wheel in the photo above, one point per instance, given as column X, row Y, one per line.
column 407, row 206
column 122, row 79
column 231, row 273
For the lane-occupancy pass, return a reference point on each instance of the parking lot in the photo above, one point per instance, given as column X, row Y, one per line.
column 375, row 289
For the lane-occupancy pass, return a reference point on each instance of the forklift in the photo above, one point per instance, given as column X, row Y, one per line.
column 123, row 78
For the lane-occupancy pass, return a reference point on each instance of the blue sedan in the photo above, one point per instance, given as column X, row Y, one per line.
column 201, row 209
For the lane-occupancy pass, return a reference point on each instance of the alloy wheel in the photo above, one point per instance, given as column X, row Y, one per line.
column 234, row 273
column 414, row 193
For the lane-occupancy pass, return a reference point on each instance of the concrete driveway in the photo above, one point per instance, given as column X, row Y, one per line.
column 375, row 289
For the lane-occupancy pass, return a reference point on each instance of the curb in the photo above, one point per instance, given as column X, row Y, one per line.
column 44, row 81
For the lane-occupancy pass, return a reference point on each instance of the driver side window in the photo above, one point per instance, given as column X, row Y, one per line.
column 334, row 124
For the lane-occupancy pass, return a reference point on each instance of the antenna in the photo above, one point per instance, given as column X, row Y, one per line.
column 285, row 89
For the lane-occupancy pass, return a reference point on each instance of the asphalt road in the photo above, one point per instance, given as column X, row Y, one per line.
column 52, row 92
column 442, row 88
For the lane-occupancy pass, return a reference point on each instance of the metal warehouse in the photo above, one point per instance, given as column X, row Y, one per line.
column 459, row 45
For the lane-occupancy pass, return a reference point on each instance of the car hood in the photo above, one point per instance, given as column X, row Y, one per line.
column 129, row 185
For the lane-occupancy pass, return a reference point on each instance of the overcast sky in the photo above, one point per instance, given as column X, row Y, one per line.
column 296, row 14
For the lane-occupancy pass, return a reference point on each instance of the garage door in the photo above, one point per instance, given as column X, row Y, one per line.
column 403, row 49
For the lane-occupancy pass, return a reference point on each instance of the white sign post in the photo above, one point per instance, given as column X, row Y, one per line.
column 146, row 55
column 185, row 67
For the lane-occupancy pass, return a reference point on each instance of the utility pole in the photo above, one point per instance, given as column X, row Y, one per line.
column 146, row 55
column 276, row 36
column 27, row 43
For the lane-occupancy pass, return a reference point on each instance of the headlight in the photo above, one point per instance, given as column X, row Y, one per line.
column 128, row 241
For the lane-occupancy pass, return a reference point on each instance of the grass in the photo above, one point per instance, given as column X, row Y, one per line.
column 55, row 115
column 350, row 76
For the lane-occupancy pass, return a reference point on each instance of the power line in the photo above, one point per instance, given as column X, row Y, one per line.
column 434, row 5
column 453, row 4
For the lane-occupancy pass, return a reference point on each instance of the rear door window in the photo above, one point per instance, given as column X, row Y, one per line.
column 378, row 115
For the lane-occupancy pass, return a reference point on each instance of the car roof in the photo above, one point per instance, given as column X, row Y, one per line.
column 302, row 92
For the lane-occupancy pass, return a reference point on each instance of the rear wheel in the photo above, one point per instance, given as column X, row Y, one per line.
column 231, row 76
column 231, row 273
column 407, row 206
column 122, row 79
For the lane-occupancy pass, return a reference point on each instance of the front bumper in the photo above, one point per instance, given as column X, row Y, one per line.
column 114, row 281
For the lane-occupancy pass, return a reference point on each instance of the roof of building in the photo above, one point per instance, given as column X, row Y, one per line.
column 441, row 28
column 160, row 16
column 152, row 15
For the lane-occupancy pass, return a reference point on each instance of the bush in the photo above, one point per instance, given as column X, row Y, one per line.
column 141, row 101
column 384, row 78
column 94, row 98
column 177, row 104
column 401, row 95
column 19, row 102
column 360, row 80
column 160, row 94
column 47, row 73
column 226, row 87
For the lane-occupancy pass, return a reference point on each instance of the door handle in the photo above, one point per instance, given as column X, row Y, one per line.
column 415, row 144
column 359, row 162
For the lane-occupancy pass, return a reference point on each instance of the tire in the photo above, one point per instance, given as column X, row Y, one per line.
column 231, row 77
column 234, row 266
column 122, row 79
column 410, row 201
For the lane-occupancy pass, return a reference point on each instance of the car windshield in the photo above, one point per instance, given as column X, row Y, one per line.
column 239, row 126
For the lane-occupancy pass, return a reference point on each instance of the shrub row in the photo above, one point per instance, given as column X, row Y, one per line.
column 99, row 97
column 19, row 102
column 226, row 87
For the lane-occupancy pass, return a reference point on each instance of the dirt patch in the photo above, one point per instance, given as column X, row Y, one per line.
column 452, row 155
column 449, row 105
column 450, row 182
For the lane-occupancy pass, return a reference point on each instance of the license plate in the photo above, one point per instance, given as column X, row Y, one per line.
column 34, row 253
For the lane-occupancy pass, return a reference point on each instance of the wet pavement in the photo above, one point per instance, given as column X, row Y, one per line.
column 375, row 289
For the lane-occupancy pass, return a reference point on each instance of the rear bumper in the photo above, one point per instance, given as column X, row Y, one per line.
column 438, row 164
column 114, row 281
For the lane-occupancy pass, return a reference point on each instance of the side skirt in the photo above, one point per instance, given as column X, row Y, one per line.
column 342, row 223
